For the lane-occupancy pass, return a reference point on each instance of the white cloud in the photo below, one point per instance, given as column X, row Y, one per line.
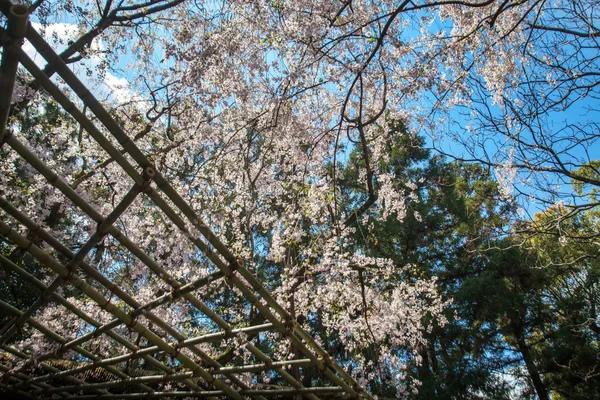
column 106, row 86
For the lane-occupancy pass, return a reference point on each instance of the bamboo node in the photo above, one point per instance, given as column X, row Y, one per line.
column 326, row 360
column 36, row 231
column 210, row 380
column 324, row 363
column 26, row 248
column 19, row 325
column 240, row 262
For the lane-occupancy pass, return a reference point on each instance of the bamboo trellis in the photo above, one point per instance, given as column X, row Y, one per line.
column 202, row 376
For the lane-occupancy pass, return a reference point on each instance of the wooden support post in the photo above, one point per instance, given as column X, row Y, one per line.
column 11, row 43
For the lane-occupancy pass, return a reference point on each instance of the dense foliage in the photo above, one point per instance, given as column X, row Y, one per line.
column 374, row 163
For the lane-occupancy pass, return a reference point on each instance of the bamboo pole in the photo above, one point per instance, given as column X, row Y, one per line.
column 118, row 338
column 176, row 377
column 115, row 129
column 7, row 308
column 44, row 235
column 154, row 349
column 60, row 184
column 270, row 392
column 79, row 116
column 44, row 366
column 142, row 310
column 130, row 147
column 21, row 393
column 108, row 306
column 19, row 377
column 93, row 241
column 122, row 383
column 11, row 42
column 156, row 395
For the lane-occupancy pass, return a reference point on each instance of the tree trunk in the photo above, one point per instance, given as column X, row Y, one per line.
column 534, row 374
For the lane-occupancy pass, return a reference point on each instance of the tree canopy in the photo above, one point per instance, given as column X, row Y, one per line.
column 413, row 182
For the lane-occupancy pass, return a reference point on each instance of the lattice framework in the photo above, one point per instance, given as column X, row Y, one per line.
column 204, row 378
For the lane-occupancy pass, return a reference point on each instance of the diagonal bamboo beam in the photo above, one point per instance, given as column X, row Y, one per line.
column 70, row 193
column 20, row 378
column 44, row 365
column 323, row 361
column 118, row 338
column 44, row 235
column 94, row 105
column 101, row 231
column 8, row 309
column 154, row 349
column 142, row 310
column 286, row 327
column 174, row 377
column 46, row 259
column 60, row 184
column 139, row 310
column 21, row 393
column 287, row 393
column 157, row 395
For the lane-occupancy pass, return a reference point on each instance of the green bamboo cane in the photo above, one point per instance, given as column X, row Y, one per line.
column 130, row 147
column 178, row 376
column 118, row 338
column 20, row 378
column 272, row 392
column 56, row 181
column 43, row 234
column 60, row 184
column 153, row 349
column 159, row 201
column 7, row 308
column 93, row 241
column 21, row 393
column 45, row 366
column 106, row 305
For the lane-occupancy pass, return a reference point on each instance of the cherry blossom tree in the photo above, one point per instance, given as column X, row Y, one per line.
column 251, row 110
column 533, row 117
